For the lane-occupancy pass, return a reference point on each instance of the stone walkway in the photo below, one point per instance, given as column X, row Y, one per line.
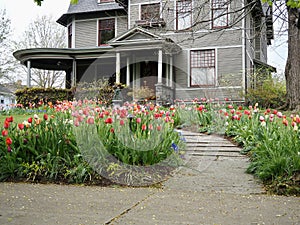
column 212, row 188
column 214, row 164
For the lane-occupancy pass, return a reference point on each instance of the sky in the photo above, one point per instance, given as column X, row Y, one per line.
column 23, row 12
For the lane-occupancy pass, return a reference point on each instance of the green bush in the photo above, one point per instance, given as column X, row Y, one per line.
column 269, row 93
column 34, row 97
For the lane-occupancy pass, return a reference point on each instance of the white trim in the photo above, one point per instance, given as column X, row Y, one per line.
column 205, row 88
column 216, row 67
column 129, row 15
column 244, row 51
column 73, row 33
column 213, row 47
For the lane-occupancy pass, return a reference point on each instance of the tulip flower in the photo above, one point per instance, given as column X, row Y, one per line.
column 109, row 120
column 45, row 117
column 21, row 126
column 144, row 127
column 29, row 120
column 4, row 133
column 8, row 141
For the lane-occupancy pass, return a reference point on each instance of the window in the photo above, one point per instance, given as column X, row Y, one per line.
column 202, row 68
column 183, row 14
column 219, row 13
column 150, row 11
column 106, row 31
column 70, row 36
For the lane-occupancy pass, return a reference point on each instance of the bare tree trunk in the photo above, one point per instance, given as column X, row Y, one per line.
column 292, row 68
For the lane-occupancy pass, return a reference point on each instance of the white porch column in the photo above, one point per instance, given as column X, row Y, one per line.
column 28, row 73
column 74, row 73
column 118, row 67
column 167, row 71
column 171, row 70
column 159, row 71
column 128, row 72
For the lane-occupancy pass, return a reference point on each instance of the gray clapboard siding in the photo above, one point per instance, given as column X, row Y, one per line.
column 86, row 34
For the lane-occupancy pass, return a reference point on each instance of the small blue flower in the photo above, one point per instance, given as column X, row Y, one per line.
column 175, row 147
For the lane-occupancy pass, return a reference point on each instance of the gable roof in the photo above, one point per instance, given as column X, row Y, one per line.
column 135, row 34
column 140, row 38
column 88, row 6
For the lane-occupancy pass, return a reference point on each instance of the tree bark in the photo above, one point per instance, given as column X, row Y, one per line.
column 292, row 68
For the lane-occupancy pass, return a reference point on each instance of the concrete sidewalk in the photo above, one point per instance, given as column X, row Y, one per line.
column 25, row 204
column 212, row 188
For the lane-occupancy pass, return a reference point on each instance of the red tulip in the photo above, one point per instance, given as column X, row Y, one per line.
column 121, row 122
column 109, row 120
column 112, row 130
column 29, row 120
column 4, row 133
column 45, row 117
column 144, row 127
column 9, row 119
column 21, row 126
column 138, row 120
column 8, row 141
column 90, row 120
column 158, row 128
column 6, row 124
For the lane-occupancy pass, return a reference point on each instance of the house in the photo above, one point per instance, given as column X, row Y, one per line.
column 181, row 49
column 7, row 98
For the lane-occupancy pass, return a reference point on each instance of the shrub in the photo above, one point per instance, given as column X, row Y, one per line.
column 36, row 96
column 269, row 93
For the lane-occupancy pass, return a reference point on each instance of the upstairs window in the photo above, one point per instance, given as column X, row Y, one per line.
column 183, row 14
column 219, row 13
column 70, row 36
column 202, row 68
column 106, row 31
column 150, row 11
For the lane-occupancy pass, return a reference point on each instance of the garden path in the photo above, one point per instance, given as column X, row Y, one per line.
column 213, row 163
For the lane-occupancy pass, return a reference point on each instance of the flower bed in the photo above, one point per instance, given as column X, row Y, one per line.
column 85, row 142
column 269, row 138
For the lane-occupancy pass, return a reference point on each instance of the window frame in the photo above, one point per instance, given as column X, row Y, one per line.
column 70, row 35
column 220, row 7
column 211, row 64
column 149, row 4
column 177, row 12
column 105, row 29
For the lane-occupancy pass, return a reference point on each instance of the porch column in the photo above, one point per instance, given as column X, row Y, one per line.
column 74, row 75
column 128, row 72
column 167, row 72
column 171, row 71
column 118, row 67
column 159, row 71
column 29, row 73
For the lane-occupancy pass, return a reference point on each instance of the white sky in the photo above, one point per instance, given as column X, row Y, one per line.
column 23, row 12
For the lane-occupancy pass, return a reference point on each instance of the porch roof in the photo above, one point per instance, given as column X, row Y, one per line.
column 265, row 65
column 59, row 58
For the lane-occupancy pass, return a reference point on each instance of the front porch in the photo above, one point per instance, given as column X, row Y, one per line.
column 137, row 59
